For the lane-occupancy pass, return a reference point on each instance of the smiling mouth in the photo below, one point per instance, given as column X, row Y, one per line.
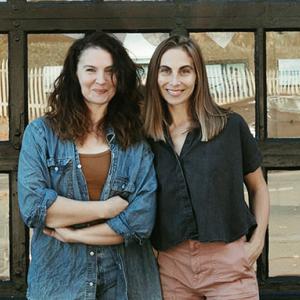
column 100, row 91
column 175, row 92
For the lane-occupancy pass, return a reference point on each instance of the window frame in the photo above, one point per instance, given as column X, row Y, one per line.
column 19, row 18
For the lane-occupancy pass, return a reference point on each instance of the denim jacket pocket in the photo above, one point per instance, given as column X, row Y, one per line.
column 122, row 187
column 60, row 171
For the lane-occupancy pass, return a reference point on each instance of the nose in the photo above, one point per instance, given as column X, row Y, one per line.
column 100, row 77
column 175, row 79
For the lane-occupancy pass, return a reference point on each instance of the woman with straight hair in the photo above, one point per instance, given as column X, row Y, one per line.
column 206, row 236
column 86, row 182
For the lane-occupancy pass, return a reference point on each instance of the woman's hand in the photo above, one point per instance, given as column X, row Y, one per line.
column 113, row 206
column 100, row 234
column 253, row 250
column 63, row 234
column 259, row 197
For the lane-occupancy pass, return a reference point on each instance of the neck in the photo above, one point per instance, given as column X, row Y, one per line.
column 179, row 115
column 97, row 113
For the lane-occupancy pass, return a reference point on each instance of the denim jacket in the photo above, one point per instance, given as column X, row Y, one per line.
column 49, row 167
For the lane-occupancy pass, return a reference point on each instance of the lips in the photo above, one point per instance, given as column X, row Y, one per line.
column 100, row 91
column 174, row 92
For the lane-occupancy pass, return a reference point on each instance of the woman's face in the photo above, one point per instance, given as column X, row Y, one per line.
column 176, row 77
column 96, row 78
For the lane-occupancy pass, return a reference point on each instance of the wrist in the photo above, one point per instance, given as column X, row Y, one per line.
column 74, row 236
column 102, row 209
column 258, row 239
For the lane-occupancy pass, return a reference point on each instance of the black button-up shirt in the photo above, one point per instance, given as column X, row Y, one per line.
column 200, row 191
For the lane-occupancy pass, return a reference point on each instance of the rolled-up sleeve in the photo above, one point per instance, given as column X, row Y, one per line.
column 137, row 221
column 34, row 193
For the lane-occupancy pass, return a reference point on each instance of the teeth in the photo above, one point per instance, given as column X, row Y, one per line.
column 174, row 92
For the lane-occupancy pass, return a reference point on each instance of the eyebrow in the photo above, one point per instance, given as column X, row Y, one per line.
column 91, row 66
column 185, row 66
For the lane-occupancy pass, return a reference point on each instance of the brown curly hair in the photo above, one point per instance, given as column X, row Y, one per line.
column 68, row 114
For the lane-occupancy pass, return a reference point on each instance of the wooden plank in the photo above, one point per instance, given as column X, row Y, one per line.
column 164, row 15
column 260, row 84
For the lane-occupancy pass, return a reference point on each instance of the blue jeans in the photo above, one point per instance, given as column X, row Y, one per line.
column 107, row 274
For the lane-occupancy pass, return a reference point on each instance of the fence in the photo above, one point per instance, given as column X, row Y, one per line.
column 226, row 87
column 4, row 88
column 40, row 83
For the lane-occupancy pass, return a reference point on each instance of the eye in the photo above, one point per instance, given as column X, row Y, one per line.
column 90, row 70
column 109, row 71
column 186, row 70
column 164, row 70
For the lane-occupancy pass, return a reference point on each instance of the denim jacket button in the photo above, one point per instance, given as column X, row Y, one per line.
column 123, row 186
column 56, row 169
column 92, row 253
column 91, row 283
column 79, row 166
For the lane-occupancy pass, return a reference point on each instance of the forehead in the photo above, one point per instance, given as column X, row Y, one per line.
column 176, row 58
column 95, row 56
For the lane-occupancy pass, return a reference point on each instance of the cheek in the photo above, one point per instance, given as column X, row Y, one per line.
column 83, row 82
column 192, row 83
column 113, row 91
column 160, row 84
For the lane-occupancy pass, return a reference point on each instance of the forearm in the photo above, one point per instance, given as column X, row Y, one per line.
column 66, row 212
column 100, row 234
column 261, row 208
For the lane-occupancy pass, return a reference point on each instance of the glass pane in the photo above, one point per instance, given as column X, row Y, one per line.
column 283, row 84
column 46, row 54
column 284, row 245
column 4, row 227
column 4, row 130
column 140, row 46
column 229, row 58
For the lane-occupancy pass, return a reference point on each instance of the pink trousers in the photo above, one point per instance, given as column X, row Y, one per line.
column 212, row 271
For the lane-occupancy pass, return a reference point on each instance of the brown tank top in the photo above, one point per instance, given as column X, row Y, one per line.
column 95, row 168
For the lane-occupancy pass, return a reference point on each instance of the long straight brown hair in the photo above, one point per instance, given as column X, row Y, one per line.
column 203, row 110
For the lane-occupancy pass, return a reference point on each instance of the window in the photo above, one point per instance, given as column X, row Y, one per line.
column 251, row 50
column 283, row 84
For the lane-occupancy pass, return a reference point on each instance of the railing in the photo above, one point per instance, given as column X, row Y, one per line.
column 227, row 87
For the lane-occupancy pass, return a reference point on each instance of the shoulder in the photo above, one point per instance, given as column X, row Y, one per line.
column 236, row 122
column 39, row 130
column 235, row 118
column 38, row 125
column 141, row 147
column 140, row 151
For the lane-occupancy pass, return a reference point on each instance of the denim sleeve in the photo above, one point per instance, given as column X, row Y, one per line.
column 34, row 193
column 137, row 221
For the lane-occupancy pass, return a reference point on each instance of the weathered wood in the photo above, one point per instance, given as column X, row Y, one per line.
column 19, row 241
column 203, row 15
column 260, row 82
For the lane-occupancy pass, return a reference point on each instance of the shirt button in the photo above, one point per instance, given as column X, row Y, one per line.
column 92, row 253
column 123, row 186
column 56, row 169
column 91, row 283
column 79, row 166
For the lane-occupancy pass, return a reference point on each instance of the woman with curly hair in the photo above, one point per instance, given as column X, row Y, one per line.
column 86, row 182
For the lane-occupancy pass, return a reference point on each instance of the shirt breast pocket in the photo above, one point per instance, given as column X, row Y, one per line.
column 121, row 186
column 60, row 171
